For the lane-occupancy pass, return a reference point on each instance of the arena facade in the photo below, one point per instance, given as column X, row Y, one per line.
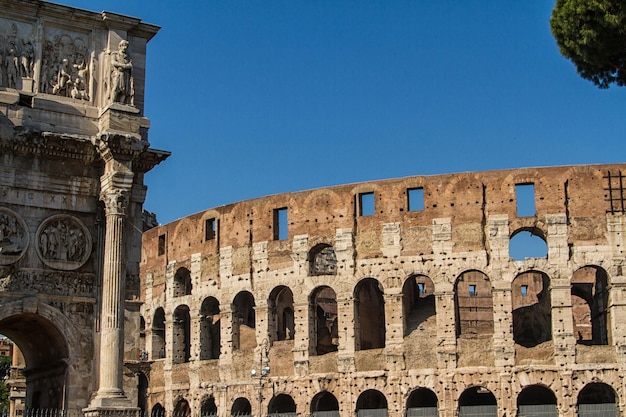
column 394, row 297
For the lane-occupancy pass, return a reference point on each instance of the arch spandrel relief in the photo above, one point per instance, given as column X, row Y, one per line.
column 63, row 242
column 13, row 237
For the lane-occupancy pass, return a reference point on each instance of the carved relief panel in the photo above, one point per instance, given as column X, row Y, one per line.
column 13, row 236
column 17, row 54
column 63, row 242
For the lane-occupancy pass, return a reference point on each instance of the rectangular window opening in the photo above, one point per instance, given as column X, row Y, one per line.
column 161, row 246
column 420, row 288
column 366, row 204
column 280, row 224
column 416, row 199
column 210, row 229
column 472, row 290
column 524, row 290
column 525, row 199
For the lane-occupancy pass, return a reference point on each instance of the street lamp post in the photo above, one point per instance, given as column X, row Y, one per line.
column 264, row 370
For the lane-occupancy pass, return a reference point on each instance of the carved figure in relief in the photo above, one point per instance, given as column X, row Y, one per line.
column 64, row 70
column 13, row 237
column 11, row 63
column 62, row 240
column 121, row 75
column 27, row 59
column 63, row 79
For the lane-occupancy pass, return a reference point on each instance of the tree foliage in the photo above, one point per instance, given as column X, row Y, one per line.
column 592, row 34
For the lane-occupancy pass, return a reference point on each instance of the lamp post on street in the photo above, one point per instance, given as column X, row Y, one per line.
column 263, row 371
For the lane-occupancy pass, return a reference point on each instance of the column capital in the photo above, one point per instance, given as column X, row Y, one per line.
column 115, row 201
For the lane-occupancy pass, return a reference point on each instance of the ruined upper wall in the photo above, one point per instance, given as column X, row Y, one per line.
column 456, row 209
column 64, row 67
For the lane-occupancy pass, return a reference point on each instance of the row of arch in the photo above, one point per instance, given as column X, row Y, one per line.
column 473, row 305
column 533, row 400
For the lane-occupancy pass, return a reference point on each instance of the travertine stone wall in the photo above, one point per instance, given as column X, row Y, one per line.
column 457, row 311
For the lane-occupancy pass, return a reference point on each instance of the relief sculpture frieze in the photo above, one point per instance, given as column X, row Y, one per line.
column 13, row 236
column 17, row 55
column 66, row 65
column 63, row 242
column 46, row 282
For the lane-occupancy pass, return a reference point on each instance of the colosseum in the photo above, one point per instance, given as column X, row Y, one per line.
column 392, row 298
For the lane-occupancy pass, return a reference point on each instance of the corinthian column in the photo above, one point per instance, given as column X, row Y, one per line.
column 110, row 391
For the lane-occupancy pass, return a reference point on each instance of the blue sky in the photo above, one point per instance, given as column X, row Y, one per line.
column 264, row 97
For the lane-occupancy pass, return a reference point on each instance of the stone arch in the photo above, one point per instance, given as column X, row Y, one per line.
column 158, row 334
column 51, row 347
column 532, row 310
column 244, row 318
column 369, row 400
column 182, row 408
column 597, row 398
column 477, row 400
column 184, row 233
column 473, row 304
column 322, row 260
column 422, row 402
column 241, row 407
column 182, row 282
column 157, row 410
column 181, row 335
column 528, row 242
column 324, row 404
column 590, row 296
column 210, row 324
column 281, row 323
column 418, row 303
column 281, row 404
column 369, row 315
column 208, row 407
column 537, row 400
column 142, row 393
column 323, row 319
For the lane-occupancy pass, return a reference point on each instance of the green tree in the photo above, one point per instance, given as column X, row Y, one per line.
column 592, row 34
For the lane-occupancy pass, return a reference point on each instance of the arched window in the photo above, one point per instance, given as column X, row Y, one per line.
column 536, row 401
column 182, row 282
column 532, row 317
column 371, row 402
column 241, row 408
column 281, row 320
column 418, row 304
column 422, row 403
column 210, row 329
column 157, row 411
column 181, row 337
column 158, row 334
column 477, row 401
column 590, row 296
column 597, row 399
column 370, row 315
column 322, row 260
column 182, row 409
column 473, row 304
column 142, row 393
column 323, row 321
column 244, row 336
column 324, row 404
column 528, row 243
column 282, row 405
column 208, row 409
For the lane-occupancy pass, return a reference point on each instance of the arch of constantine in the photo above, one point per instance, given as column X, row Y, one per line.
column 406, row 297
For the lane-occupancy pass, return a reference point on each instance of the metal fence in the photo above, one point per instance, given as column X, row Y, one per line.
column 422, row 412
column 543, row 410
column 372, row 412
column 478, row 411
column 598, row 410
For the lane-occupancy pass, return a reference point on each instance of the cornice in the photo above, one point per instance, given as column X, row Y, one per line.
column 50, row 145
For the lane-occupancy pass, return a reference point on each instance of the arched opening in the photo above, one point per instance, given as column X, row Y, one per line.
column 532, row 317
column 422, row 403
column 322, row 260
column 536, row 401
column 158, row 334
column 597, row 399
column 143, row 354
column 182, row 282
column 477, row 401
column 370, row 315
column 590, row 296
column 208, row 408
column 181, row 335
column 418, row 304
column 182, row 409
column 43, row 355
column 282, row 405
column 323, row 321
column 157, row 411
column 142, row 393
column 281, row 318
column 210, row 329
column 371, row 403
column 241, row 408
column 324, row 404
column 473, row 304
column 527, row 243
column 244, row 336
